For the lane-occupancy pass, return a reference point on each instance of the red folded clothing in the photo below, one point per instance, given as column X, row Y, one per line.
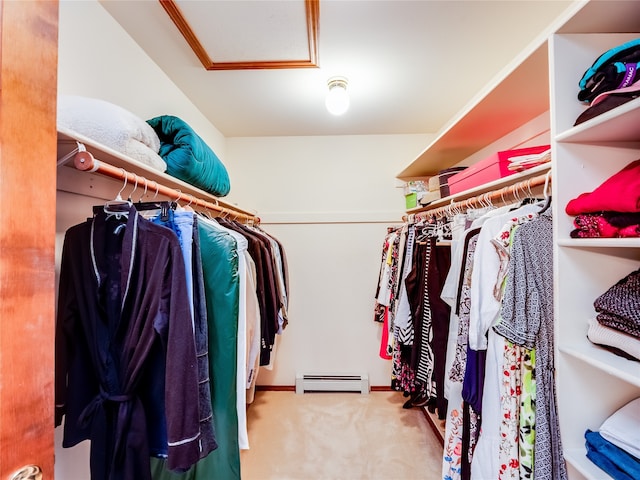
column 620, row 193
column 606, row 225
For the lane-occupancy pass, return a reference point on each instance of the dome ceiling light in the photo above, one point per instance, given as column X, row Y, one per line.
column 337, row 100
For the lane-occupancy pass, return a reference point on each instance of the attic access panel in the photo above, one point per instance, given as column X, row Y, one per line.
column 243, row 35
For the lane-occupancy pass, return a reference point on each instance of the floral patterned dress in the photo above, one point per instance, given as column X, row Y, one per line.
column 517, row 388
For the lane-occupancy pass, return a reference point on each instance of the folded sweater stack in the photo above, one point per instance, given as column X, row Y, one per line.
column 617, row 325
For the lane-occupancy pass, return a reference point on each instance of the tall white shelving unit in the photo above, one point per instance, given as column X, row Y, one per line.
column 592, row 383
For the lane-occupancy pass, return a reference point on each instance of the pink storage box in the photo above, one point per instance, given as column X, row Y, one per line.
column 489, row 169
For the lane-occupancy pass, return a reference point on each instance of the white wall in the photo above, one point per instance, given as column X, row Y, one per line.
column 329, row 201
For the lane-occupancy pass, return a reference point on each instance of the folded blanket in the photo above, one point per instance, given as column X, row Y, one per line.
column 111, row 126
column 188, row 157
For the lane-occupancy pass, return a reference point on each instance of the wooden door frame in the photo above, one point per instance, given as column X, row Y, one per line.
column 28, row 145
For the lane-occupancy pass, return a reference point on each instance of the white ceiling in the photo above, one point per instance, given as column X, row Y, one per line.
column 411, row 65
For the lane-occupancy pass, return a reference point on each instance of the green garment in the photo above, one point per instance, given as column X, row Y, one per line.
column 221, row 281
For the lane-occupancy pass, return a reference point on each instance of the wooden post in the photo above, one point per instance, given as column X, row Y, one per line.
column 28, row 87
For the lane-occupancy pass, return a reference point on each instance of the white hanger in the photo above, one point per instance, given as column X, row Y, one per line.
column 118, row 207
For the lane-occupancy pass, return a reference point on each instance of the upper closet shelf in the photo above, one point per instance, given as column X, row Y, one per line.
column 68, row 143
column 520, row 95
column 617, row 125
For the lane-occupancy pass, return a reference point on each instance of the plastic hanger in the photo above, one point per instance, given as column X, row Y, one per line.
column 428, row 229
column 546, row 194
column 146, row 186
column 163, row 206
column 135, row 187
column 117, row 207
column 188, row 206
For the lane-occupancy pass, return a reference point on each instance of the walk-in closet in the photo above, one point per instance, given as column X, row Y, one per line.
column 205, row 274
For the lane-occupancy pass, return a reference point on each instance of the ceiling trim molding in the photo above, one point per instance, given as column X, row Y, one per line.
column 312, row 8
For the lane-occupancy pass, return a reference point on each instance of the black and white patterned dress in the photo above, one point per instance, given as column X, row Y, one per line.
column 527, row 307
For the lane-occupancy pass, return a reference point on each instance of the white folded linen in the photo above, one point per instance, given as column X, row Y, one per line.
column 112, row 126
column 623, row 428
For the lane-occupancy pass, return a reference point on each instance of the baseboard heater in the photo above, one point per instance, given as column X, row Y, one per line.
column 328, row 382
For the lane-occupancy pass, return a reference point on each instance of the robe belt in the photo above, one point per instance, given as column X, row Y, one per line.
column 97, row 402
column 126, row 402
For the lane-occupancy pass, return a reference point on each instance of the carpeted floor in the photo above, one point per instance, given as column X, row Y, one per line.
column 335, row 436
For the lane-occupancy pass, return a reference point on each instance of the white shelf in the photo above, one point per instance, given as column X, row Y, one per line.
column 592, row 381
column 577, row 458
column 626, row 370
column 520, row 92
column 600, row 242
column 620, row 124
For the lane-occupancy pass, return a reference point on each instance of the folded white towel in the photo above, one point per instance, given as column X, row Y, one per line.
column 623, row 428
column 112, row 126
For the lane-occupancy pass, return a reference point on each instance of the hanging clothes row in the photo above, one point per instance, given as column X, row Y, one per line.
column 495, row 346
column 500, row 384
column 415, row 319
column 164, row 319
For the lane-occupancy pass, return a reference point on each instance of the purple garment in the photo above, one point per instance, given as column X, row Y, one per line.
column 473, row 383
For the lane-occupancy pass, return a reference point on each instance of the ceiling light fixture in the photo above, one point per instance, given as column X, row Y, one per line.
column 337, row 98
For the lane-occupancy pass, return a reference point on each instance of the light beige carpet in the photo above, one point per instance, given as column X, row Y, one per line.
column 335, row 436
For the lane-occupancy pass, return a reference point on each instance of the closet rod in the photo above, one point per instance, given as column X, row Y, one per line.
column 84, row 161
column 511, row 192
